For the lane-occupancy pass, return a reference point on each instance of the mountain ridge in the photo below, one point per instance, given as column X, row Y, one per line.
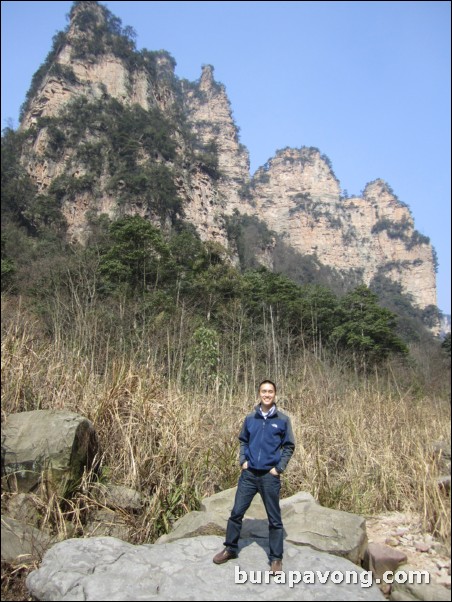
column 296, row 194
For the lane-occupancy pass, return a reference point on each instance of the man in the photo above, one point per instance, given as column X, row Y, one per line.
column 266, row 446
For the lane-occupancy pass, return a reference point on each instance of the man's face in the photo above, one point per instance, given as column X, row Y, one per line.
column 267, row 394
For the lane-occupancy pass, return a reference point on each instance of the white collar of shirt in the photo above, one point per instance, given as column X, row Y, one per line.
column 270, row 412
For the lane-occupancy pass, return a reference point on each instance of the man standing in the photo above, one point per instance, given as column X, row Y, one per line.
column 266, row 446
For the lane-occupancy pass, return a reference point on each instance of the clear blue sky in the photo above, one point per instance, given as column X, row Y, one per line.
column 368, row 83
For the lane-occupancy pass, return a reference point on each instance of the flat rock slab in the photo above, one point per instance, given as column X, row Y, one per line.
column 105, row 568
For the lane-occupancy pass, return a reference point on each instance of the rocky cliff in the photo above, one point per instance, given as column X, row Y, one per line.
column 94, row 66
column 298, row 196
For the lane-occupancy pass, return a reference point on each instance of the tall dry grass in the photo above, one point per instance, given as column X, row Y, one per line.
column 364, row 443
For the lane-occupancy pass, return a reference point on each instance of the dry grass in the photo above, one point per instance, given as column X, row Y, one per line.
column 363, row 444
column 13, row 582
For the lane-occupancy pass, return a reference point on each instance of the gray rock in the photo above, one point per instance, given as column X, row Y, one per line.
column 196, row 523
column 418, row 591
column 444, row 483
column 25, row 508
column 305, row 523
column 46, row 446
column 442, row 455
column 326, row 530
column 428, row 593
column 106, row 522
column 118, row 496
column 109, row 569
column 221, row 503
column 299, row 498
column 22, row 543
column 209, row 523
column 442, row 448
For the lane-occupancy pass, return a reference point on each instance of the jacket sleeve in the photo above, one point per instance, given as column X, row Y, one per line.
column 244, row 438
column 287, row 447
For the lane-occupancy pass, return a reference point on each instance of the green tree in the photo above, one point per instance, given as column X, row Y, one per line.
column 446, row 344
column 366, row 330
column 203, row 357
column 138, row 256
column 317, row 313
column 214, row 286
column 8, row 270
column 18, row 191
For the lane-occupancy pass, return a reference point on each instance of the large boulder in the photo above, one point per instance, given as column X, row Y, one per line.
column 47, row 448
column 305, row 523
column 104, row 568
column 327, row 530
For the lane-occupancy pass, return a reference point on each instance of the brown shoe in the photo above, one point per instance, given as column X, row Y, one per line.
column 224, row 556
column 276, row 567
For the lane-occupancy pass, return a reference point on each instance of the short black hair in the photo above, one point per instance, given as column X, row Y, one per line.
column 267, row 381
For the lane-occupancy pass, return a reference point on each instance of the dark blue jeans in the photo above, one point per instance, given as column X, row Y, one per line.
column 251, row 482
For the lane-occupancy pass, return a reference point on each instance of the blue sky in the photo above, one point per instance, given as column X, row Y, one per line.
column 368, row 83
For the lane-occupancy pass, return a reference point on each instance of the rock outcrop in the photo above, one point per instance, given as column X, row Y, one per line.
column 296, row 193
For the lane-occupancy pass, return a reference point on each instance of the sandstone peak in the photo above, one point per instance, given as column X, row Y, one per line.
column 210, row 114
column 387, row 206
column 87, row 16
column 291, row 177
column 207, row 79
column 379, row 190
column 303, row 153
column 299, row 161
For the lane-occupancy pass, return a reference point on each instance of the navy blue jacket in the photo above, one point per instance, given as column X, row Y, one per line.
column 266, row 443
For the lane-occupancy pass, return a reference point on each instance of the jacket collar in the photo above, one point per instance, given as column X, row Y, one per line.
column 259, row 414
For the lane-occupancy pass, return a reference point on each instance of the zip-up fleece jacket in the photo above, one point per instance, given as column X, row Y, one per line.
column 266, row 443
